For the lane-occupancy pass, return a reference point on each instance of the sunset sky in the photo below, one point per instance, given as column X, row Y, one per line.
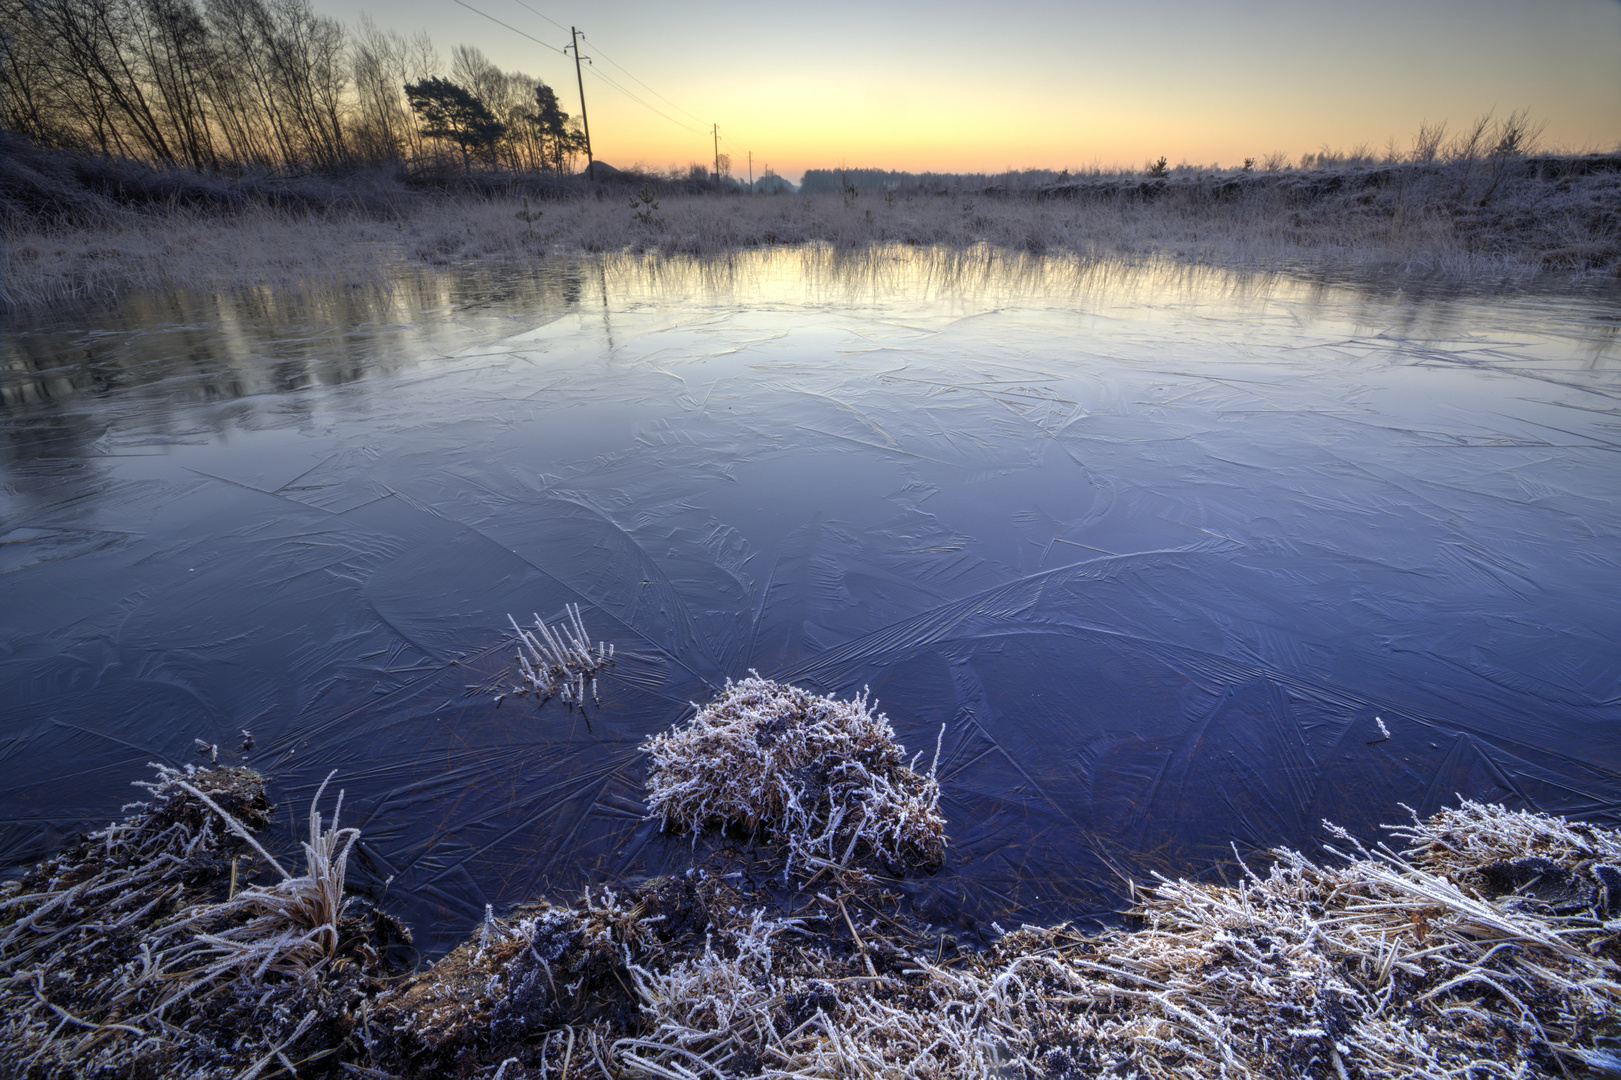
column 954, row 86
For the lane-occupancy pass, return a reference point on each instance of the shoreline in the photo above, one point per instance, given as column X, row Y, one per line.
column 1480, row 942
column 1494, row 950
column 1483, row 221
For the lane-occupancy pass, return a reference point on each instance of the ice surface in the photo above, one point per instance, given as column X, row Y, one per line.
column 1156, row 547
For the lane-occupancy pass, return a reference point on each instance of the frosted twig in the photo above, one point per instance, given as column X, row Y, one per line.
column 559, row 660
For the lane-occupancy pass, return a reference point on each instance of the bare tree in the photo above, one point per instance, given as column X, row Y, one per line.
column 25, row 76
column 306, row 60
column 247, row 75
column 99, row 75
column 382, row 124
column 252, row 83
column 174, row 47
column 1428, row 142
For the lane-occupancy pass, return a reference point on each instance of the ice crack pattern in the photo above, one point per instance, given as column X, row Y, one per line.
column 1155, row 545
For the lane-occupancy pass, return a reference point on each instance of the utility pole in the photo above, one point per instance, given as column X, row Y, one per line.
column 715, row 130
column 590, row 162
column 751, row 172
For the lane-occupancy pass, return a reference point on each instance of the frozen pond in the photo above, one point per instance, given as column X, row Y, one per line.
column 1156, row 548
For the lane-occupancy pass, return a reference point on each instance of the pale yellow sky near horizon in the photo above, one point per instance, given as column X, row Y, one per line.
column 960, row 87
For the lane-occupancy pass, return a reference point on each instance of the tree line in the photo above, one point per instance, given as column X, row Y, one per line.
column 233, row 84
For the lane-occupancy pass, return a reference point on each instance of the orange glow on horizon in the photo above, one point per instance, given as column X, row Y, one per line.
column 952, row 87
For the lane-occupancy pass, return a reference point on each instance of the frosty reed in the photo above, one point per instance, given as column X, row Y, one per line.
column 1484, row 946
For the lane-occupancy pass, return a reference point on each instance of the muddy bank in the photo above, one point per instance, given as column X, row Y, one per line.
column 1482, row 942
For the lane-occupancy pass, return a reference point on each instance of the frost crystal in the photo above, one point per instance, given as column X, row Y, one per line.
column 824, row 776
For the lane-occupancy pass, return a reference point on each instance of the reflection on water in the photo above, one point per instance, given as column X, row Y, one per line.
column 1156, row 546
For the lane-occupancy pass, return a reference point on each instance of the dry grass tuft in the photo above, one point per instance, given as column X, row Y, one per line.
column 1487, row 946
column 824, row 777
column 290, row 926
column 136, row 953
column 527, row 987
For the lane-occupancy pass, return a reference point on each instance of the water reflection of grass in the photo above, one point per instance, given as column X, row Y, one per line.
column 1411, row 219
column 193, row 344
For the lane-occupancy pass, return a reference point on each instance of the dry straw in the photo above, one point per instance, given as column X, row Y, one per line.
column 825, row 777
column 117, row 958
column 1386, row 964
column 1486, row 945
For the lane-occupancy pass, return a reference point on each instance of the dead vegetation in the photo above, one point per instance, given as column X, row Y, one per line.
column 1463, row 217
column 1388, row 963
column 825, row 778
column 145, row 951
column 560, row 660
column 1485, row 944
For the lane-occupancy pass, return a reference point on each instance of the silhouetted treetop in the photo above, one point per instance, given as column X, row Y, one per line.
column 231, row 84
column 454, row 113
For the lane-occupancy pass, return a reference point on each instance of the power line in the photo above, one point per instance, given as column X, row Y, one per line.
column 514, row 29
column 644, row 104
column 603, row 56
column 548, row 18
column 594, row 71
column 600, row 55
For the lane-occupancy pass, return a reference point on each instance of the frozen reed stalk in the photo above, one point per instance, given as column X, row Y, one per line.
column 559, row 660
column 292, row 925
column 825, row 777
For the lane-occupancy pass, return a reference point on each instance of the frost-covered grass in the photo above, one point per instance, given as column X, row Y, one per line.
column 147, row 951
column 1457, row 219
column 289, row 926
column 1487, row 945
column 1383, row 963
column 825, row 778
column 559, row 660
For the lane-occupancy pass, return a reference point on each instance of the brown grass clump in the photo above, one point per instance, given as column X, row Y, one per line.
column 145, row 950
column 523, row 988
column 824, row 777
column 1387, row 964
column 1488, row 946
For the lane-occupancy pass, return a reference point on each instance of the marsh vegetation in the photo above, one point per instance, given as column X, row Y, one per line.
column 1483, row 946
column 94, row 231
column 1237, row 455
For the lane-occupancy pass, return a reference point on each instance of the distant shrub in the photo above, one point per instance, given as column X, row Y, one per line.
column 1159, row 169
